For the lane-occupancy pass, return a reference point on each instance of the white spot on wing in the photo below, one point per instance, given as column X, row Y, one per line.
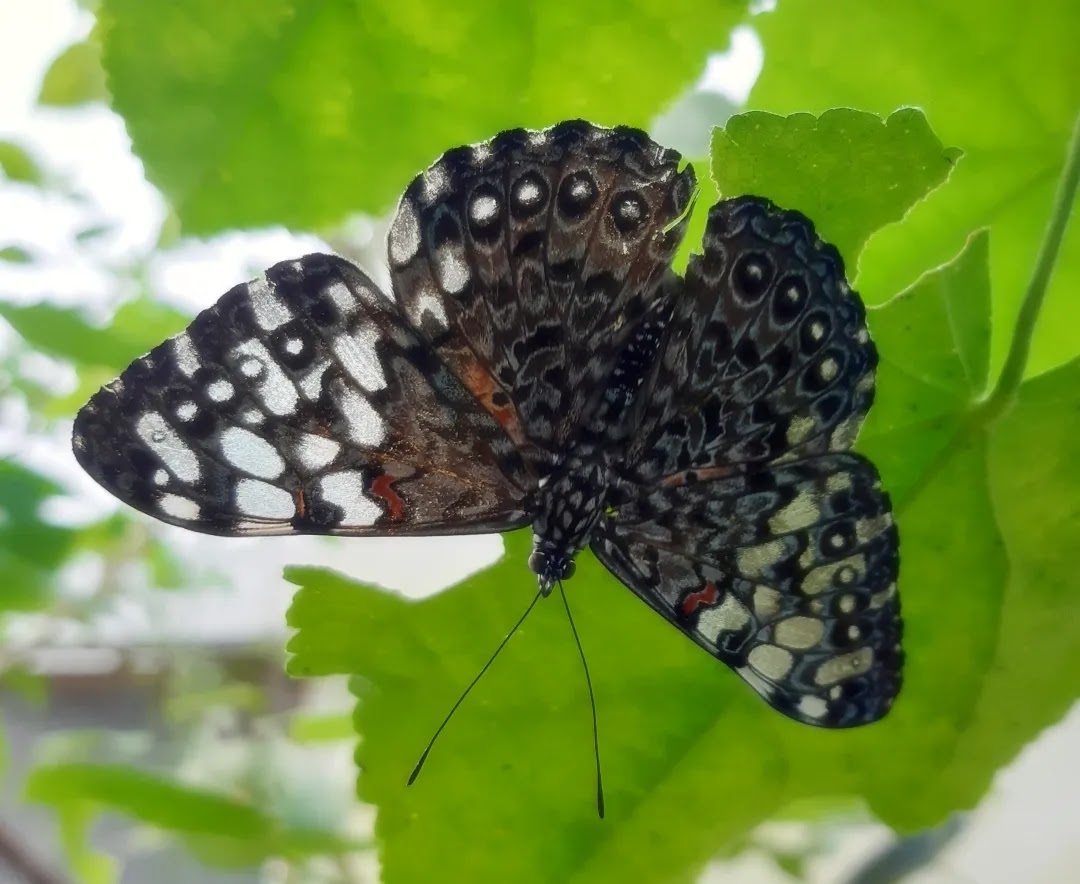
column 798, row 429
column 311, row 383
column 451, row 269
column 185, row 411
column 729, row 616
column 275, row 390
column 161, row 478
column 527, row 192
column 404, row 239
column 802, row 512
column 346, row 489
column 220, row 391
column 813, row 707
column 429, row 302
column 163, row 440
column 754, row 561
column 843, row 437
column 343, row 299
column 483, row 209
column 187, row 360
column 770, row 662
column 867, row 529
column 263, row 500
column 799, row 632
column 316, row 452
column 844, row 666
column 251, row 453
column 356, row 352
column 270, row 311
column 766, row 602
column 179, row 507
column 365, row 426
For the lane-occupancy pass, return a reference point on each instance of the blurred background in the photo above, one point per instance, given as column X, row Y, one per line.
column 149, row 730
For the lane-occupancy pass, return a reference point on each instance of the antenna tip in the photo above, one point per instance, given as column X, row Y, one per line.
column 419, row 764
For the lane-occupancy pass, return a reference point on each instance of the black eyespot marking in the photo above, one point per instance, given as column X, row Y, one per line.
column 629, row 211
column 485, row 213
column 751, row 275
column 837, row 540
column 814, row 331
column 790, row 298
column 577, row 193
column 528, row 195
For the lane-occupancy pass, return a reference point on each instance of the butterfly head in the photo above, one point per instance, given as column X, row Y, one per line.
column 550, row 566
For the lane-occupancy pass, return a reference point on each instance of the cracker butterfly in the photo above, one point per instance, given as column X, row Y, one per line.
column 539, row 364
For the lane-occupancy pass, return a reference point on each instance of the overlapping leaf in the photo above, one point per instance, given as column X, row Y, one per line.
column 299, row 113
column 997, row 80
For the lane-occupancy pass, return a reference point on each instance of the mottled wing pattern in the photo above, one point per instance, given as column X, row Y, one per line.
column 302, row 402
column 527, row 261
column 766, row 354
column 787, row 574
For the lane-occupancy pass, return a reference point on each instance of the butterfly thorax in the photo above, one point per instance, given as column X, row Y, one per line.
column 568, row 505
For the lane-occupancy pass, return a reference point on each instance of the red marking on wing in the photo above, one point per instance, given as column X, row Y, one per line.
column 382, row 486
column 298, row 501
column 688, row 477
column 482, row 385
column 695, row 600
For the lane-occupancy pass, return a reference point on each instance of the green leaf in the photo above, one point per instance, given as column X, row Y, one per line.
column 137, row 326
column 152, row 799
column 22, row 533
column 997, row 81
column 321, row 728
column 75, row 77
column 17, row 164
column 90, row 866
column 850, row 171
column 258, row 112
column 982, row 584
column 932, row 342
column 15, row 255
column 221, row 829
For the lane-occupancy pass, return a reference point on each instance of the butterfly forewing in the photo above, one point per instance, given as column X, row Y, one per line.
column 527, row 261
column 788, row 575
column 767, row 353
column 301, row 403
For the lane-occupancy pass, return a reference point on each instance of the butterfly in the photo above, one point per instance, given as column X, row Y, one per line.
column 539, row 364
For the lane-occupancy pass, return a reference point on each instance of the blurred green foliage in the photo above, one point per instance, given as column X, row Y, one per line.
column 301, row 113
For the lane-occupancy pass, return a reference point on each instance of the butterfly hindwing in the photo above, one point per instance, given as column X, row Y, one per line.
column 527, row 260
column 787, row 574
column 301, row 403
column 766, row 355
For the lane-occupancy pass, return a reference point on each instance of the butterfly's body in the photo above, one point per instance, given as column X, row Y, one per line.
column 539, row 364
column 569, row 503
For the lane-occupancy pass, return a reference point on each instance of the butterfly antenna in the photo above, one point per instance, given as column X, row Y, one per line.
column 592, row 705
column 419, row 764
